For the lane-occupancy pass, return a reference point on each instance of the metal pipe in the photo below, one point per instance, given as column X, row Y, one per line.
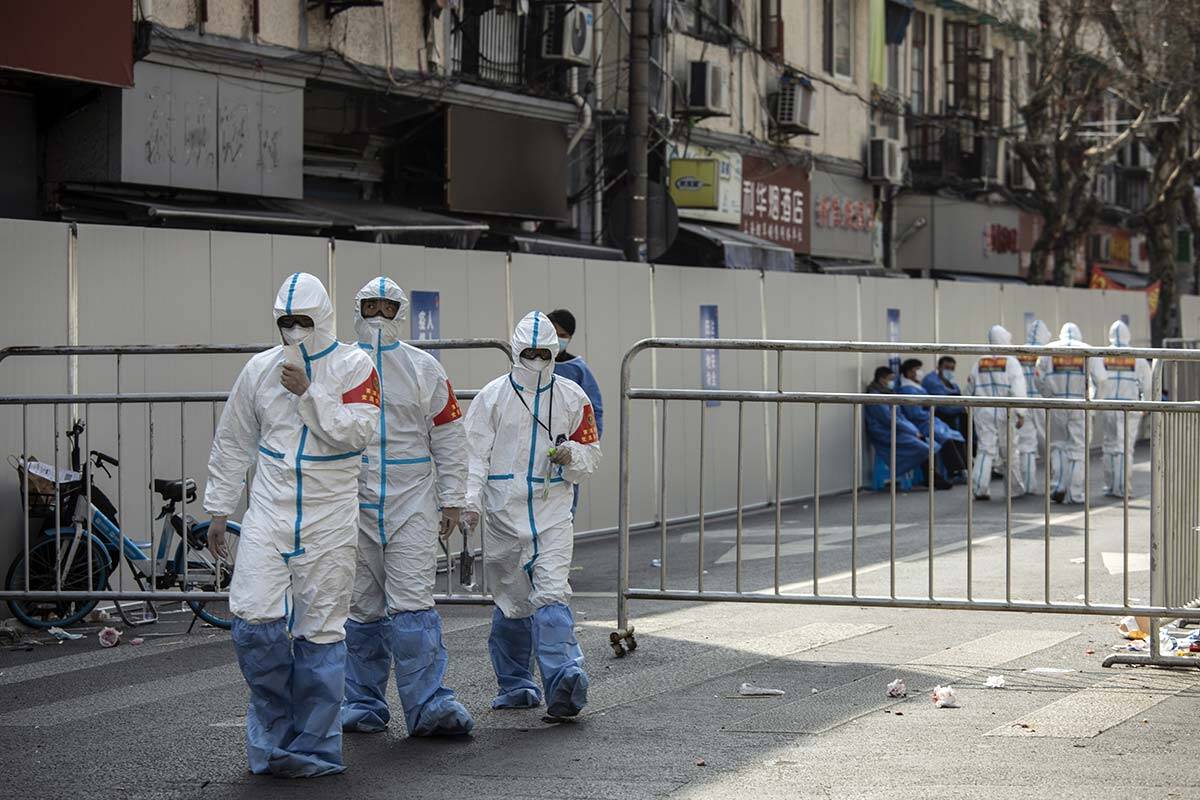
column 778, row 471
column 700, row 540
column 894, row 479
column 856, row 455
column 737, row 569
column 816, row 579
column 970, row 501
column 932, row 467
column 662, row 503
column 1009, row 459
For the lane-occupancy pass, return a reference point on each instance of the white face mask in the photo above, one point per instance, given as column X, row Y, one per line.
column 296, row 335
column 535, row 364
column 375, row 322
column 563, row 341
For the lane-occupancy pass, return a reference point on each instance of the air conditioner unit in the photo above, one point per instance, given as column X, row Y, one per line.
column 791, row 106
column 885, row 161
column 568, row 34
column 707, row 89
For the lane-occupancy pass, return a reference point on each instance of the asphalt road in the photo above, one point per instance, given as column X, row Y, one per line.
column 164, row 720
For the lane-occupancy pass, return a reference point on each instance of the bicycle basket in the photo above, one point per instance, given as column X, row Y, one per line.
column 42, row 489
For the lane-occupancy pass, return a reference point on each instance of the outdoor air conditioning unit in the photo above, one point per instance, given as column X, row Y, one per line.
column 791, row 106
column 707, row 89
column 885, row 163
column 568, row 34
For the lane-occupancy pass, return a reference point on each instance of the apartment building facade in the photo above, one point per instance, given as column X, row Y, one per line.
column 857, row 135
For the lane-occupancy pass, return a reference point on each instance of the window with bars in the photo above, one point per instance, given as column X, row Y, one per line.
column 917, row 90
column 490, row 46
column 967, row 71
column 996, row 84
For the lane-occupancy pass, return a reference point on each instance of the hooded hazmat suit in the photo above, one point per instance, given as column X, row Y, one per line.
column 291, row 591
column 1075, row 378
column 1031, row 438
column 1128, row 379
column 414, row 466
column 525, row 501
column 996, row 376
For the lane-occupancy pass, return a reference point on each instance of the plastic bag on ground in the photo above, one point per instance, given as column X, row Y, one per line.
column 944, row 697
column 750, row 690
column 897, row 688
column 995, row 682
column 110, row 637
column 61, row 635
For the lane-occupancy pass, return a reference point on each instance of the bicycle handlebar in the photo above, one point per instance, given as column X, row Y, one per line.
column 102, row 458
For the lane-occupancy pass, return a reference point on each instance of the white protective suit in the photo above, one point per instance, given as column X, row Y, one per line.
column 415, row 466
column 1031, row 438
column 296, row 553
column 525, row 501
column 1068, row 377
column 1129, row 378
column 996, row 376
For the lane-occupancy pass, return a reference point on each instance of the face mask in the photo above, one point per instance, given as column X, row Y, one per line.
column 375, row 322
column 563, row 341
column 918, row 375
column 296, row 335
column 948, row 375
column 535, row 364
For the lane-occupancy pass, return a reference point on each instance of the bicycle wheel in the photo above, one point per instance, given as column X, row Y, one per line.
column 205, row 574
column 44, row 563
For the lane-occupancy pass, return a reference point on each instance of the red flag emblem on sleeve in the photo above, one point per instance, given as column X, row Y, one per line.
column 451, row 411
column 586, row 432
column 366, row 392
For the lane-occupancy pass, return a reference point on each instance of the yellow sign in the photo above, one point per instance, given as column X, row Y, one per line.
column 694, row 182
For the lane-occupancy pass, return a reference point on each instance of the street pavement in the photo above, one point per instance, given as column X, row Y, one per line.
column 164, row 719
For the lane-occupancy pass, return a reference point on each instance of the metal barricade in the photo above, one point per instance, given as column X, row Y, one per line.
column 107, row 547
column 1174, row 508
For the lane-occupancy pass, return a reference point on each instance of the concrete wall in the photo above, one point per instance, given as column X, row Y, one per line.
column 136, row 285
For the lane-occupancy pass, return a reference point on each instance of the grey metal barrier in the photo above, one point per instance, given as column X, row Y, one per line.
column 1174, row 508
column 1181, row 381
column 81, row 555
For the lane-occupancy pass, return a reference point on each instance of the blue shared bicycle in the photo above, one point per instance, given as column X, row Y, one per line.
column 70, row 559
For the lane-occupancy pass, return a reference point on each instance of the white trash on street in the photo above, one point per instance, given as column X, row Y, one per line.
column 944, row 697
column 750, row 690
column 897, row 688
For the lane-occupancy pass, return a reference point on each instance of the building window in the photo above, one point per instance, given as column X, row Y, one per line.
column 966, row 69
column 839, row 38
column 772, row 28
column 704, row 19
column 893, row 68
column 489, row 46
column 1014, row 100
column 996, row 100
column 919, row 67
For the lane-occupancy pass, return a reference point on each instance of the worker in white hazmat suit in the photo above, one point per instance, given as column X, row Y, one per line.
column 997, row 376
column 301, row 414
column 1073, row 378
column 532, row 437
column 1031, row 439
column 1128, row 378
column 412, row 488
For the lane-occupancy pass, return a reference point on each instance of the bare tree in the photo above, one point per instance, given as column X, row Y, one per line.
column 1068, row 86
column 1157, row 43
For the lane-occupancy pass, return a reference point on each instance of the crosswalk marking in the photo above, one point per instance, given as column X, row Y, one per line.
column 1092, row 711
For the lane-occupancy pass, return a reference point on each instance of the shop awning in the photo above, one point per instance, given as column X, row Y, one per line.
column 375, row 221
column 712, row 246
column 388, row 223
column 546, row 245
